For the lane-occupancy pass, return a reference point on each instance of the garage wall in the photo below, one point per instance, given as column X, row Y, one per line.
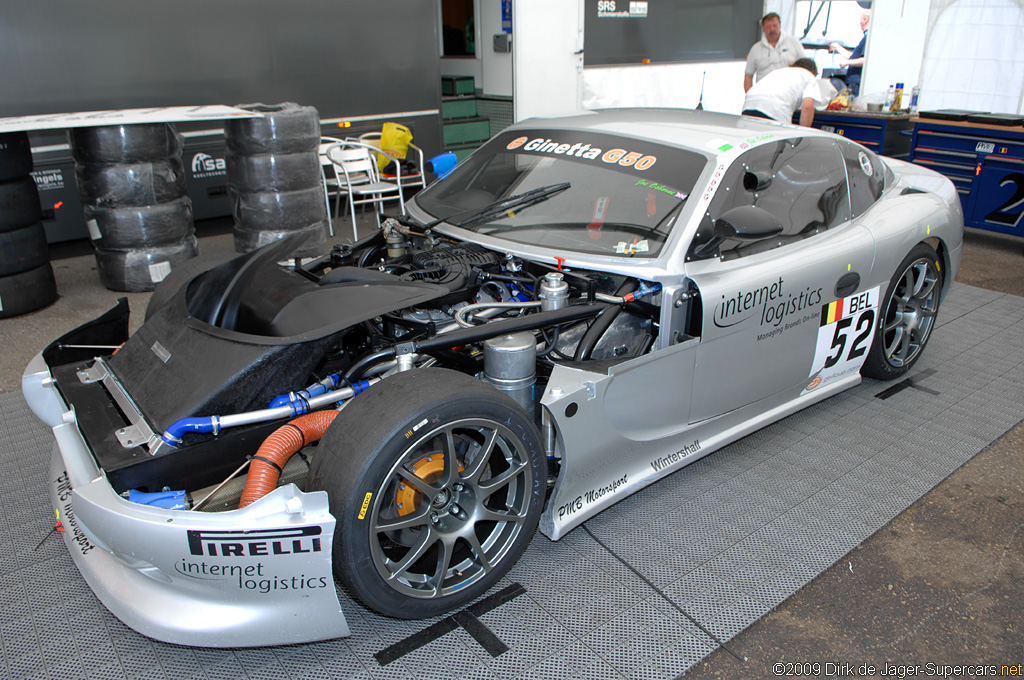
column 344, row 57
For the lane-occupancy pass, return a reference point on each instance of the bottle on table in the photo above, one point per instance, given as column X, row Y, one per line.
column 897, row 99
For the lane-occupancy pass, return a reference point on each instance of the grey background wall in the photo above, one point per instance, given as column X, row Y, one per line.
column 350, row 59
column 344, row 57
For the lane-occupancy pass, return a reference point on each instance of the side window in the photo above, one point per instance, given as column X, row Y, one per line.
column 866, row 173
column 800, row 181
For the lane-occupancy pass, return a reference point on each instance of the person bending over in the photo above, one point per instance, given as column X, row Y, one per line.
column 781, row 92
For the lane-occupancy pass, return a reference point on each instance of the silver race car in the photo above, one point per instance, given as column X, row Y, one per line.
column 582, row 307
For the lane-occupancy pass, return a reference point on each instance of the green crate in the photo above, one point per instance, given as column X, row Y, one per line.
column 453, row 85
column 469, row 130
column 458, row 108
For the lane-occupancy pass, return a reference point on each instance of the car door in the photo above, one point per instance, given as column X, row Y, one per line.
column 763, row 301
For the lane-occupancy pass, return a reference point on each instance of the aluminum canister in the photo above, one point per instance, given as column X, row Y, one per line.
column 554, row 292
column 510, row 364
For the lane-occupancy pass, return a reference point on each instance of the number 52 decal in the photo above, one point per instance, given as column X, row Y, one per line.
column 844, row 337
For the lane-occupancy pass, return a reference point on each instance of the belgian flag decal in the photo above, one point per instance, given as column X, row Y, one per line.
column 831, row 312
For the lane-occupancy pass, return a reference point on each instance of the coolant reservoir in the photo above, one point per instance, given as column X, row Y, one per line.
column 510, row 364
column 554, row 292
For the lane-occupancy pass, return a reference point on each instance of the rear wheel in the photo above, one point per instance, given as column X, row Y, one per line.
column 908, row 315
column 437, row 483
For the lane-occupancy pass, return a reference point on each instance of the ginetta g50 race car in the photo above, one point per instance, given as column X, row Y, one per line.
column 585, row 305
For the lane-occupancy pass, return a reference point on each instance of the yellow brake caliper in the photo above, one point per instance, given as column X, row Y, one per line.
column 428, row 469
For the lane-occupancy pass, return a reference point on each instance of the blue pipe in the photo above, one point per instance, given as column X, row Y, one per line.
column 326, row 385
column 298, row 404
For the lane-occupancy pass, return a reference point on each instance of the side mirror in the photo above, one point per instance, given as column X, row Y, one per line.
column 743, row 223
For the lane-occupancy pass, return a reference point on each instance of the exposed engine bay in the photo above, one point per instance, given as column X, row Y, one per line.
column 246, row 335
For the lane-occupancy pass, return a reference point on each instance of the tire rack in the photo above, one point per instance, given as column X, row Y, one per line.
column 274, row 182
column 132, row 185
column 26, row 276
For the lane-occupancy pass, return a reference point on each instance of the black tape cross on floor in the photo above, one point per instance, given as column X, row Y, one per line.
column 467, row 618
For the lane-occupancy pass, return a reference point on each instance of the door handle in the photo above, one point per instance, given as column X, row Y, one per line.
column 847, row 284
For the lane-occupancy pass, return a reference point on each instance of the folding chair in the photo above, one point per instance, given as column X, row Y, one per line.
column 355, row 174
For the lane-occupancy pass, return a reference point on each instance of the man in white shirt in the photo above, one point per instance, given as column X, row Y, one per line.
column 775, row 50
column 784, row 91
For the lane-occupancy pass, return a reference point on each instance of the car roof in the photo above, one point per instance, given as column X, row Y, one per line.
column 703, row 131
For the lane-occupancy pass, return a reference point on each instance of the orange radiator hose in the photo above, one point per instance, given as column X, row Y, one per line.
column 274, row 452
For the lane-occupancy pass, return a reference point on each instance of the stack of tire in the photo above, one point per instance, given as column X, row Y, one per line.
column 132, row 184
column 274, row 180
column 26, row 277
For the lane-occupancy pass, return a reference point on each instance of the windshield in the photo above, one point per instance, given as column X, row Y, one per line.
column 571, row 190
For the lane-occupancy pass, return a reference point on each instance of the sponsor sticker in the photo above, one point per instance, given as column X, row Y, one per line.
column 618, row 156
column 205, row 165
column 243, row 543
column 47, row 180
column 66, row 521
column 592, row 496
column 777, row 306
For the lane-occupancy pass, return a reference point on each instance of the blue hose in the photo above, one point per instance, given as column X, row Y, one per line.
column 297, row 401
column 203, row 425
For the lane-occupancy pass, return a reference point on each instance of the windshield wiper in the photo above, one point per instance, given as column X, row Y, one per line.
column 504, row 205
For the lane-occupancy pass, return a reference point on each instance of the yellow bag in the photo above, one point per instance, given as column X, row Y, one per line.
column 394, row 140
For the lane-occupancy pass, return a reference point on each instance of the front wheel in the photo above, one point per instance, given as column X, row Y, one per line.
column 908, row 315
column 436, row 481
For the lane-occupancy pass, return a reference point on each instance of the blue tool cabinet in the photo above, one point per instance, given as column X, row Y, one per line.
column 985, row 163
column 885, row 134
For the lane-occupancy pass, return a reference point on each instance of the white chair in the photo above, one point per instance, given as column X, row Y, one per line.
column 409, row 179
column 355, row 175
column 329, row 179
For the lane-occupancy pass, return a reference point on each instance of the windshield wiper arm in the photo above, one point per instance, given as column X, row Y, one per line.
column 522, row 200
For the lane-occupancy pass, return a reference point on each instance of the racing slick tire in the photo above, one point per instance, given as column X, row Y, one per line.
column 19, row 203
column 27, row 291
column 145, row 226
column 279, row 209
column 283, row 128
column 906, row 316
column 15, row 155
column 134, row 143
column 314, row 244
column 139, row 270
column 181, row 275
column 131, row 184
column 273, row 172
column 437, row 482
column 23, row 249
